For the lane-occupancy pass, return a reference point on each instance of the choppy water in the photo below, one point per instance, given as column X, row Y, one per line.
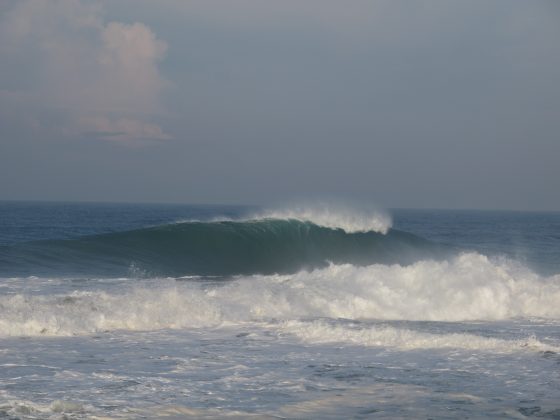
column 113, row 311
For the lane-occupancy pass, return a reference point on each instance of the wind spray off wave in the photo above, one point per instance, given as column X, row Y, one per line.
column 351, row 220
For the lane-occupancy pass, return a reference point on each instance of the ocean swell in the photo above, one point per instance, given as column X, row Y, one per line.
column 219, row 248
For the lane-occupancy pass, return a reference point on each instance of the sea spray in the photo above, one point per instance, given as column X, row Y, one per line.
column 334, row 216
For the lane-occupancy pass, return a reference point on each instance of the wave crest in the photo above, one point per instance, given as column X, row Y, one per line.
column 351, row 220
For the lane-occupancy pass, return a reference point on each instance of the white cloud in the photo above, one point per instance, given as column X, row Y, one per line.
column 103, row 77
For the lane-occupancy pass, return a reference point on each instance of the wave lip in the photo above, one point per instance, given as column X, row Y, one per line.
column 351, row 220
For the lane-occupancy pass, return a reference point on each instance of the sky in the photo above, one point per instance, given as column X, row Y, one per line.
column 424, row 104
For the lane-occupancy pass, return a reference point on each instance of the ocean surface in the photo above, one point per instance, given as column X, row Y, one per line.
column 176, row 311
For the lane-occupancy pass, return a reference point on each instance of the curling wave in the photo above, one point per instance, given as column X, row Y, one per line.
column 219, row 248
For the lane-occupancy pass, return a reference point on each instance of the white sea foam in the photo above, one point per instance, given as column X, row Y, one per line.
column 141, row 308
column 406, row 339
column 58, row 409
column 468, row 287
column 334, row 216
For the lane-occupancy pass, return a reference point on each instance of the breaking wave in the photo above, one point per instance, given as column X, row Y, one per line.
column 351, row 220
column 467, row 287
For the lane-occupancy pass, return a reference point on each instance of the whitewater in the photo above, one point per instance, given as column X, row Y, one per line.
column 136, row 311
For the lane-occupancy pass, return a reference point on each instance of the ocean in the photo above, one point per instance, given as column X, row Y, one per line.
column 316, row 311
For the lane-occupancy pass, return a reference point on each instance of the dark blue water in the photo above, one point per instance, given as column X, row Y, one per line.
column 22, row 221
column 532, row 238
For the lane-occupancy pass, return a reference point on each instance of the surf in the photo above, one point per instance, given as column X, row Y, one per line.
column 469, row 287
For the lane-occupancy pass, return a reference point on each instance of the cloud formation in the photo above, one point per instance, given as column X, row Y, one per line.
column 101, row 79
column 432, row 103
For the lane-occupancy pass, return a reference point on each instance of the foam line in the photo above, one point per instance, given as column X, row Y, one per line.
column 321, row 332
column 468, row 287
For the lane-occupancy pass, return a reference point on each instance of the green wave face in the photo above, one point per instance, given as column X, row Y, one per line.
column 215, row 249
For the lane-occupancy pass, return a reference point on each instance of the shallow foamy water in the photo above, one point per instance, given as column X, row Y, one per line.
column 318, row 368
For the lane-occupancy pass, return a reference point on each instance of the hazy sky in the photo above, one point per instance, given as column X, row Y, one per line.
column 427, row 103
